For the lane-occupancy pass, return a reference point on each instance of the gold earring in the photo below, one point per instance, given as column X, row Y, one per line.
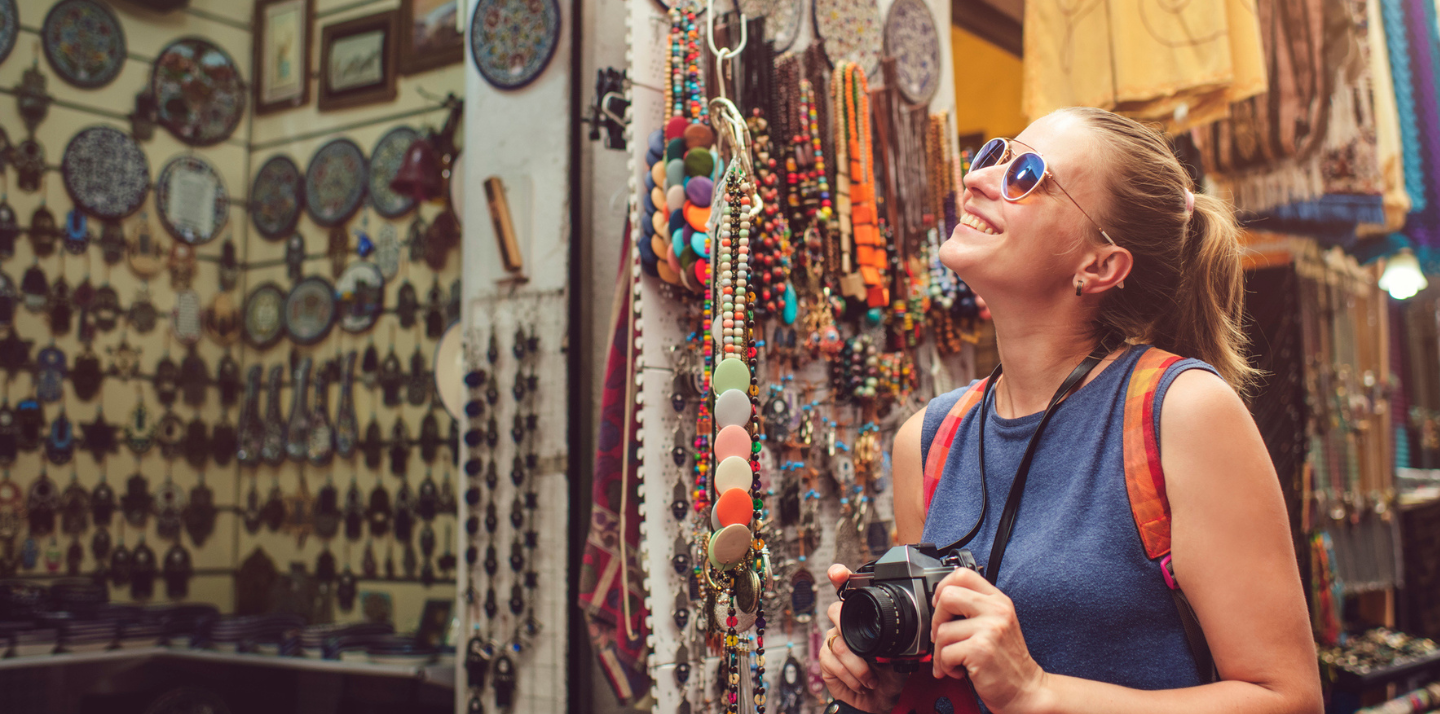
column 1078, row 287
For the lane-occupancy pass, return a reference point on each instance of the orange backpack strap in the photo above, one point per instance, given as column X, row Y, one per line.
column 1144, row 479
column 945, row 439
column 1145, row 482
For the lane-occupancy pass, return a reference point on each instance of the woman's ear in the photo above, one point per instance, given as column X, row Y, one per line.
column 1107, row 268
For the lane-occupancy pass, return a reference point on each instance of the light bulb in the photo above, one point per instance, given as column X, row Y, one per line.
column 1402, row 277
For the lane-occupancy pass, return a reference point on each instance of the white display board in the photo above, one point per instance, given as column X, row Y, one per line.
column 522, row 137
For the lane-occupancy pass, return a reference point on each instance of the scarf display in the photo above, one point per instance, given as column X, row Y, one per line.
column 617, row 632
column 1183, row 66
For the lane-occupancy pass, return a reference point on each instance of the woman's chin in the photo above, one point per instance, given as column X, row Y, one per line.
column 962, row 255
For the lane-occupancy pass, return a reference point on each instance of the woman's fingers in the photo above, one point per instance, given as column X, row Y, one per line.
column 853, row 662
column 954, row 601
column 838, row 574
column 832, row 668
column 949, row 634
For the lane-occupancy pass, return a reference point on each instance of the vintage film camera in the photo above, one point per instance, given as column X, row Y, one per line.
column 885, row 611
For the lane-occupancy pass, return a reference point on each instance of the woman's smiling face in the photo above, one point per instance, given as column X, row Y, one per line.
column 1001, row 247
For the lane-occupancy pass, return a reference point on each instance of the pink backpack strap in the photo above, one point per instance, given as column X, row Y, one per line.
column 945, row 439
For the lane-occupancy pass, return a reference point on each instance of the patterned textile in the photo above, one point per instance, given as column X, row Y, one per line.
column 1423, row 226
column 1263, row 156
column 621, row 654
column 1389, row 143
column 1397, row 42
column 1182, row 65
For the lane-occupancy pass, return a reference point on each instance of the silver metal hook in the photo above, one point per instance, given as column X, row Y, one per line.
column 726, row 54
column 733, row 130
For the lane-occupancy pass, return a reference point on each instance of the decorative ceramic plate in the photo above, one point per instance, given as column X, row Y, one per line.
column 335, row 182
column 511, row 41
column 449, row 370
column 84, row 42
column 276, row 197
column 198, row 92
column 457, row 186
column 782, row 19
column 851, row 31
column 265, row 316
column 191, row 199
column 105, row 172
column 911, row 38
column 385, row 160
column 9, row 27
column 360, row 293
column 310, row 310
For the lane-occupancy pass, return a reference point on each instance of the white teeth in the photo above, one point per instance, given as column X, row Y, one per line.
column 977, row 224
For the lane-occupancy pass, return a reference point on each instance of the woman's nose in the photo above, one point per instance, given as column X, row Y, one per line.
column 984, row 182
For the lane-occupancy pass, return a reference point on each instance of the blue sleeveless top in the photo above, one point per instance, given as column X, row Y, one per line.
column 1089, row 601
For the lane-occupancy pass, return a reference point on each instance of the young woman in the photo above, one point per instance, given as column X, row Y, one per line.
column 1084, row 237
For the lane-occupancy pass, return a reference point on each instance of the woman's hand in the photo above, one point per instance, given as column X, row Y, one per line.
column 976, row 634
column 848, row 677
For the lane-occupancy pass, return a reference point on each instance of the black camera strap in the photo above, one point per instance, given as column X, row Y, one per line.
column 1022, row 472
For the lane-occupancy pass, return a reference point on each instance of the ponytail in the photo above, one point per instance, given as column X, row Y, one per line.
column 1205, row 321
column 1185, row 290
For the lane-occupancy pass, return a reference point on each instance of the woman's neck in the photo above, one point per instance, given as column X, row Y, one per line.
column 1038, row 355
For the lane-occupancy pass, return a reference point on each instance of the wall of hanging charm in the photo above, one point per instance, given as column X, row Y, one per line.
column 131, row 318
column 812, row 401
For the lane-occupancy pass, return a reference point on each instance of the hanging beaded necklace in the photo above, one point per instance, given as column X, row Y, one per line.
column 736, row 554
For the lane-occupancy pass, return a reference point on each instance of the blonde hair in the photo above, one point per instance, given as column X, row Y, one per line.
column 1185, row 291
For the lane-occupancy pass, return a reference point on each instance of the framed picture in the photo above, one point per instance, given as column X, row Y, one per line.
column 357, row 62
column 283, row 29
column 434, row 622
column 428, row 36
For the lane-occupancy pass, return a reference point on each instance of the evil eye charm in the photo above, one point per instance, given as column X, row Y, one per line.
column 679, row 508
column 677, row 402
column 681, row 563
column 681, row 617
column 682, row 673
column 679, row 455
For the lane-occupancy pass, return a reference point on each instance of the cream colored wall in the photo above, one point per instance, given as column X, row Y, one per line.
column 408, row 598
column 146, row 34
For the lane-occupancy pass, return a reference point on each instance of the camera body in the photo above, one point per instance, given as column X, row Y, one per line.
column 885, row 609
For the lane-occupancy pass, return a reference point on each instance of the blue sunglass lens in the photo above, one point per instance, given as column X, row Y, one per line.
column 989, row 155
column 1024, row 174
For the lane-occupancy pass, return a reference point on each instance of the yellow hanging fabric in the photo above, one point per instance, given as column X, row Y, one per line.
column 1144, row 58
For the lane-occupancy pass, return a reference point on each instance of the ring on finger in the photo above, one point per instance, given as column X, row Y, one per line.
column 830, row 641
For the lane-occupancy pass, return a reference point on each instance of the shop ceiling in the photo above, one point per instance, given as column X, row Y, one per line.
column 995, row 20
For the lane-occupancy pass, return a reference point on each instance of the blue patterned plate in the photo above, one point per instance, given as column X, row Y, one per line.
column 512, row 41
column 105, row 172
column 335, row 182
column 851, row 30
column 385, row 160
column 911, row 38
column 198, row 92
column 191, row 199
column 276, row 197
column 9, row 27
column 782, row 19
column 310, row 310
column 84, row 42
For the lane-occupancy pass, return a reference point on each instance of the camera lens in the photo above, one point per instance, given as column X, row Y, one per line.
column 878, row 621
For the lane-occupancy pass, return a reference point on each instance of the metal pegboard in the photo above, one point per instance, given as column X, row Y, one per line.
column 540, row 665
